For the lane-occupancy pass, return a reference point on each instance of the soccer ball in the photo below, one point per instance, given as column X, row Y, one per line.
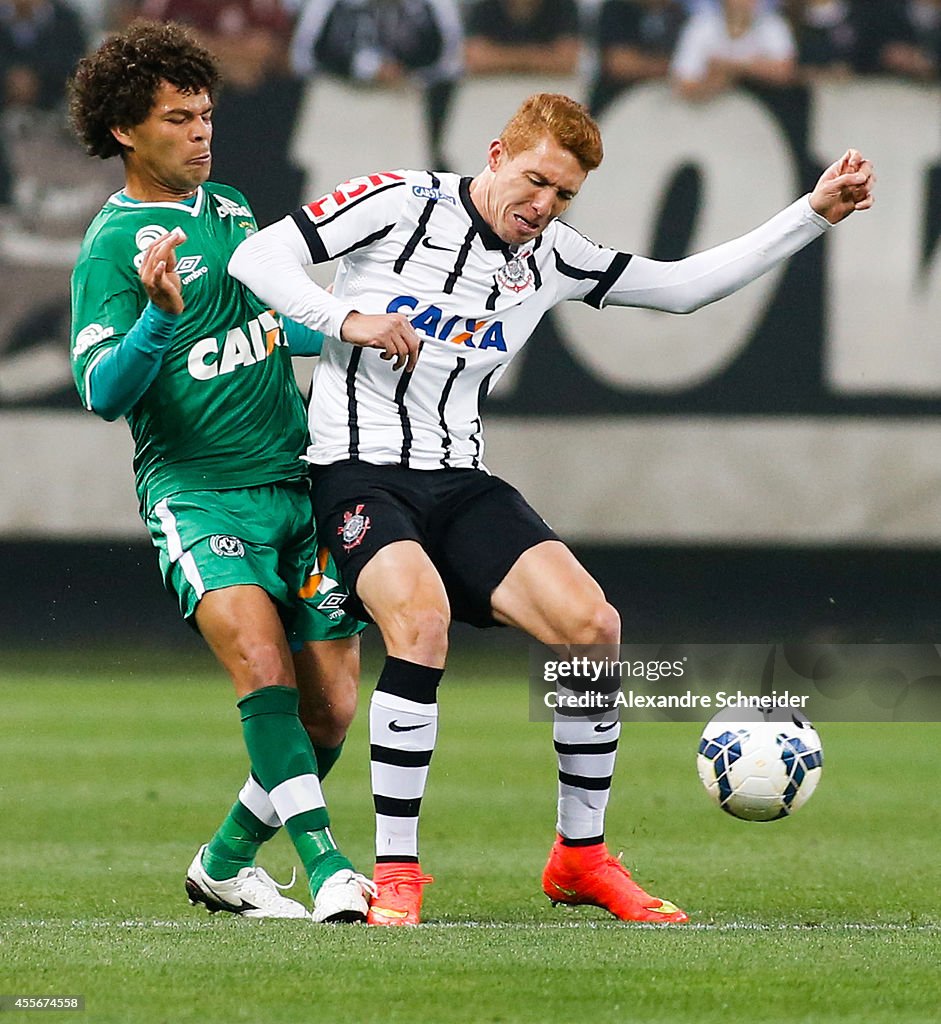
column 759, row 766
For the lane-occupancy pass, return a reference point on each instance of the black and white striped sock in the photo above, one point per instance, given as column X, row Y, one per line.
column 403, row 728
column 586, row 752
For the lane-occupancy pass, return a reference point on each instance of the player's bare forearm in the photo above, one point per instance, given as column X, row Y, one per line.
column 844, row 187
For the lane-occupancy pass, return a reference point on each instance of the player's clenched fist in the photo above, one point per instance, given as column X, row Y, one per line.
column 158, row 272
column 846, row 185
column 389, row 331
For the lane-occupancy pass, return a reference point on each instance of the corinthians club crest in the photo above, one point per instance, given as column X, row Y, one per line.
column 353, row 528
column 516, row 275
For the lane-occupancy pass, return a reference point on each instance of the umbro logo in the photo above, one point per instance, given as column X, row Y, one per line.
column 189, row 269
column 187, row 263
column 395, row 727
column 226, row 207
column 439, row 248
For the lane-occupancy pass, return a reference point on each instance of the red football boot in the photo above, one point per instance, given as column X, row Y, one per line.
column 398, row 898
column 589, row 875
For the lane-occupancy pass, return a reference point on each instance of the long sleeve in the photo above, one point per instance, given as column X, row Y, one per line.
column 688, row 284
column 124, row 372
column 302, row 341
column 271, row 264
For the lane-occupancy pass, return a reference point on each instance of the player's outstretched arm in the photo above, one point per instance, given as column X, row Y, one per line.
column 845, row 186
column 686, row 285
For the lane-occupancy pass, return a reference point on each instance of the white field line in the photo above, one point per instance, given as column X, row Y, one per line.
column 834, row 927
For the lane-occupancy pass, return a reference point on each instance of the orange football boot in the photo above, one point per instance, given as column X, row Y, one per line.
column 399, row 894
column 589, row 875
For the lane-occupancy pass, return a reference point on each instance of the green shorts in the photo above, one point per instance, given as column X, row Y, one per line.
column 263, row 536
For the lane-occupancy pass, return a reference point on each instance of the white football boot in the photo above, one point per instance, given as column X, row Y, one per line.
column 343, row 897
column 252, row 893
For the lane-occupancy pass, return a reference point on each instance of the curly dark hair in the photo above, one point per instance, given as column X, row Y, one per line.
column 115, row 86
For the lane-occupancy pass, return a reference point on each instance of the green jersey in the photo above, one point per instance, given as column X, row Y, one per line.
column 224, row 410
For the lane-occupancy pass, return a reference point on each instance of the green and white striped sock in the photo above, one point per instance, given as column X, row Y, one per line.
column 283, row 760
column 251, row 822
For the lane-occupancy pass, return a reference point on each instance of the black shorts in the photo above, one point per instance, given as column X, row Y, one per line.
column 473, row 526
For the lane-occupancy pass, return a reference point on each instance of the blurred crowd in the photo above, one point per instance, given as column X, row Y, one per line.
column 269, row 49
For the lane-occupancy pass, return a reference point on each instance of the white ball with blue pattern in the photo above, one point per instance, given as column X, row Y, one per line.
column 759, row 767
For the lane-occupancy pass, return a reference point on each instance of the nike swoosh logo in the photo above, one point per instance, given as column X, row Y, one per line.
column 392, row 915
column 395, row 727
column 440, row 248
column 605, row 728
column 230, row 901
column 562, row 889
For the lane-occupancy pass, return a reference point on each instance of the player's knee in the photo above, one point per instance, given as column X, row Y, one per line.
column 429, row 629
column 600, row 623
column 263, row 663
column 329, row 727
column 420, row 634
column 327, row 720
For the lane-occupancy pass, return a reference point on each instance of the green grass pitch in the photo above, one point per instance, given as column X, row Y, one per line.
column 114, row 768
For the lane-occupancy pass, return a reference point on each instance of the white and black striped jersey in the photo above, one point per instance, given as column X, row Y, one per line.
column 413, row 242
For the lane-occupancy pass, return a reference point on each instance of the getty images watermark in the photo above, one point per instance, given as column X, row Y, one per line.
column 826, row 682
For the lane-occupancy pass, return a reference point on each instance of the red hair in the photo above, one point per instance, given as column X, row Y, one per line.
column 567, row 121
